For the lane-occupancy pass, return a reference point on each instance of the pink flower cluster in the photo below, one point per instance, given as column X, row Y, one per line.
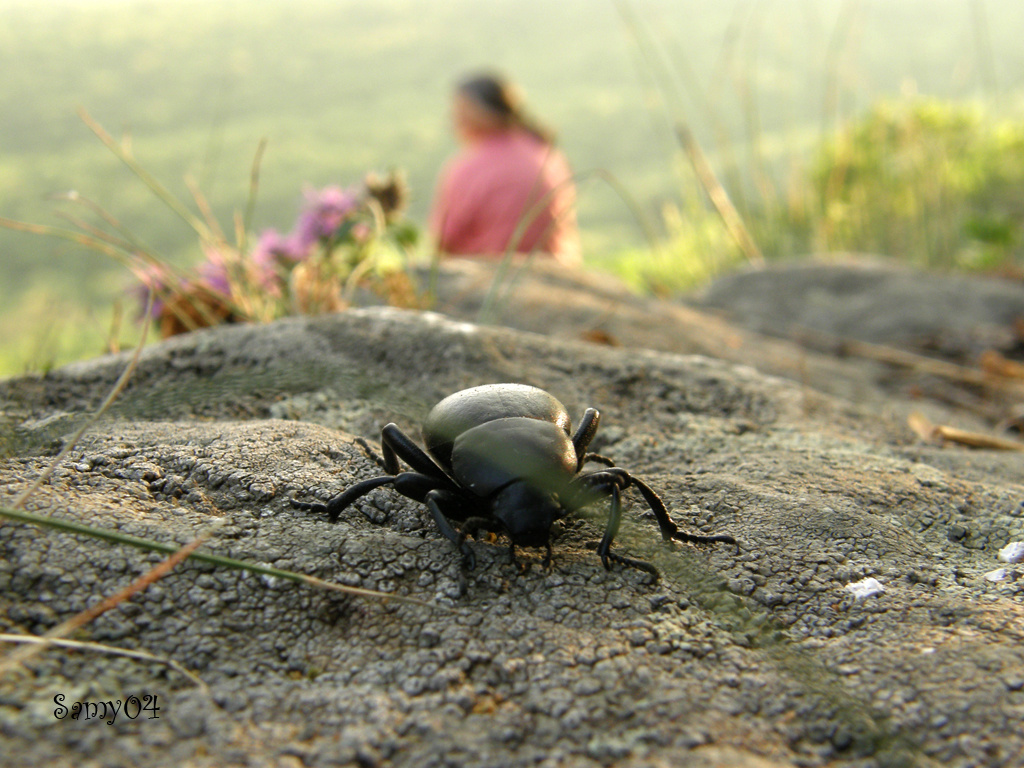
column 329, row 216
column 325, row 212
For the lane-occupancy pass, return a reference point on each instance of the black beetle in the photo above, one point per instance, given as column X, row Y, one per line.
column 508, row 462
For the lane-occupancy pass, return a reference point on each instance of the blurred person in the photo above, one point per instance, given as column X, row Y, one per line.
column 508, row 184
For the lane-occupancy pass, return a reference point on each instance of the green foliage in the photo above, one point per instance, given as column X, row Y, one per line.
column 935, row 183
column 695, row 249
column 939, row 184
column 40, row 338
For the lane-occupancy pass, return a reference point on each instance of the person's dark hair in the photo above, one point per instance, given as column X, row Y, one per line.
column 502, row 99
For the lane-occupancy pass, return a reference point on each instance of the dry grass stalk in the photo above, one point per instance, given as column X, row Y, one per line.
column 79, row 620
column 930, row 432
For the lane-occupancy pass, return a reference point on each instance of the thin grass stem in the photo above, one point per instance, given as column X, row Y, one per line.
column 114, row 392
column 82, row 618
column 79, row 645
column 117, row 537
column 250, row 202
column 122, row 150
column 719, row 197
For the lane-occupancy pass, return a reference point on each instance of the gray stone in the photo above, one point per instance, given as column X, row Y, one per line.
column 760, row 658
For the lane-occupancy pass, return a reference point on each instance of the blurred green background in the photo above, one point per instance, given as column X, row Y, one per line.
column 815, row 115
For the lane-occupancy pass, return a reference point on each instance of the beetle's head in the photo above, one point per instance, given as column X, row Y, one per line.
column 527, row 512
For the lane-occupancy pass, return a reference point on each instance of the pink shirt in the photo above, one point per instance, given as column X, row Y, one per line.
column 491, row 185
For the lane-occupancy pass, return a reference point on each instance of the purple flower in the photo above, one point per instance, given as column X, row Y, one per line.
column 270, row 251
column 151, row 278
column 332, row 204
column 323, row 215
column 268, row 247
column 213, row 273
column 273, row 248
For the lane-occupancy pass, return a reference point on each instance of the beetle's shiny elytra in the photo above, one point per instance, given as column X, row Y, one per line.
column 504, row 458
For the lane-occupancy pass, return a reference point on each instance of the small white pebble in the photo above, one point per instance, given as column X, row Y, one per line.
column 1012, row 552
column 865, row 588
column 997, row 575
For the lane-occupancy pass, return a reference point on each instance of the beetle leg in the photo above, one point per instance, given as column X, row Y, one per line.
column 472, row 525
column 669, row 530
column 434, row 499
column 668, row 527
column 632, row 562
column 586, row 489
column 614, row 520
column 614, row 480
column 415, row 486
column 520, row 566
column 585, row 433
column 599, row 459
column 334, row 507
column 410, row 484
column 396, row 445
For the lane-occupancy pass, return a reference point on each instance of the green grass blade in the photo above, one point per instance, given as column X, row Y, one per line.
column 116, row 537
column 166, row 197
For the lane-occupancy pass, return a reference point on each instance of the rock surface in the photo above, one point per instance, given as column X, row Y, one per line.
column 761, row 658
column 956, row 316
